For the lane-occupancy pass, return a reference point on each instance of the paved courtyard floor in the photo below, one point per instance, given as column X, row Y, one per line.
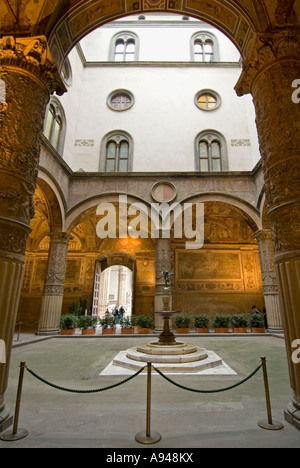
column 110, row 419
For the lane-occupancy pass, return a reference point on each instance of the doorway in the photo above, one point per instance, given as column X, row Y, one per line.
column 113, row 286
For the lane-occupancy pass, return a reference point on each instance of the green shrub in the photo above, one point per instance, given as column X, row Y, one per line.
column 221, row 321
column 257, row 320
column 240, row 321
column 144, row 321
column 108, row 322
column 201, row 321
column 182, row 321
column 86, row 321
column 68, row 322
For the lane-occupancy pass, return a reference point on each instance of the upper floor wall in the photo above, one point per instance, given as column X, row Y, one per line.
column 158, row 38
column 165, row 116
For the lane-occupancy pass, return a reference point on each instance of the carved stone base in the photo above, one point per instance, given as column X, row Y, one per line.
column 292, row 415
column 5, row 423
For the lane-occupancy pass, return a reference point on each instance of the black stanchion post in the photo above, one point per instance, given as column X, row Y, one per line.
column 148, row 437
column 269, row 424
column 16, row 433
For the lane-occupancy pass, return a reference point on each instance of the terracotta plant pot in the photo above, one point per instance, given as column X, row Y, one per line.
column 88, row 331
column 144, row 331
column 108, row 331
column 182, row 330
column 240, row 330
column 222, row 330
column 202, row 330
column 70, row 331
column 258, row 330
column 127, row 331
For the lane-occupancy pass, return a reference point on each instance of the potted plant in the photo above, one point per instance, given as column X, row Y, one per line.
column 201, row 323
column 87, row 324
column 127, row 326
column 221, row 323
column 257, row 323
column 239, row 323
column 145, row 323
column 108, row 325
column 182, row 323
column 68, row 324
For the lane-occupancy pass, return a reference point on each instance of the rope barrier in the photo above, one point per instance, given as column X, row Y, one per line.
column 85, row 391
column 142, row 437
column 208, row 391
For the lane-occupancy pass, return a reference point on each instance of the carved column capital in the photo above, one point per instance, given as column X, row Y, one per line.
column 32, row 55
column 264, row 51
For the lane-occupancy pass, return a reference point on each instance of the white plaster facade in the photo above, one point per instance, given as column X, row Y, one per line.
column 164, row 121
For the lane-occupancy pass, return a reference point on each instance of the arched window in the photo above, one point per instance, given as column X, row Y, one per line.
column 124, row 48
column 55, row 125
column 211, row 152
column 205, row 48
column 116, row 153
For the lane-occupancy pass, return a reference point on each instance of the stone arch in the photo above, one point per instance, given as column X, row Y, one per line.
column 89, row 206
column 55, row 200
column 247, row 211
column 48, row 214
column 71, row 23
column 116, row 258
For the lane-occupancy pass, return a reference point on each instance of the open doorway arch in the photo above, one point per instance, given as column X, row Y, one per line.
column 114, row 284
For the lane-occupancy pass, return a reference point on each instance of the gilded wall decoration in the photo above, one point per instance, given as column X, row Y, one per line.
column 208, row 265
column 216, row 10
column 92, row 13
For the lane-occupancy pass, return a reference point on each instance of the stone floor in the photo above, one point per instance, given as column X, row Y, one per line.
column 110, row 419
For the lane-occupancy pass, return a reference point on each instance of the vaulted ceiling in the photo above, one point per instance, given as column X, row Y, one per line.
column 65, row 22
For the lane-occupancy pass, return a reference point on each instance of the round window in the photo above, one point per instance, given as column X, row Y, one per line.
column 163, row 192
column 120, row 100
column 207, row 100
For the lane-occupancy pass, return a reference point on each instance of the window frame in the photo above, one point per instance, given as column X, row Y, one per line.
column 209, row 92
column 58, row 114
column 126, row 37
column 117, row 137
column 210, row 137
column 114, row 94
column 203, row 37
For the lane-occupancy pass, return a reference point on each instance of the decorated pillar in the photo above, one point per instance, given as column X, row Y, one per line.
column 162, row 263
column 269, row 74
column 269, row 279
column 54, row 284
column 28, row 76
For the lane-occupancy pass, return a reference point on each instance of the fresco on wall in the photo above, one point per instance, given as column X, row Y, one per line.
column 208, row 265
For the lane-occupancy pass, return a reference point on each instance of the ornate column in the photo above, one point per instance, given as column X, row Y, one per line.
column 269, row 72
column 54, row 284
column 269, row 278
column 162, row 263
column 28, row 75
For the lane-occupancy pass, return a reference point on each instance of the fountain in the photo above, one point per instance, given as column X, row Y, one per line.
column 167, row 354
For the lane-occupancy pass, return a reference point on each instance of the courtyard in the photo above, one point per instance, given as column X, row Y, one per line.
column 111, row 418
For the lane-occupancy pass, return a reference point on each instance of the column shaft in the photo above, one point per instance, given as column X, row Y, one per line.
column 269, row 73
column 30, row 76
column 54, row 284
column 269, row 278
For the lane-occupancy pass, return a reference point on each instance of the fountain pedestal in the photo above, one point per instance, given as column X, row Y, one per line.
column 166, row 338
